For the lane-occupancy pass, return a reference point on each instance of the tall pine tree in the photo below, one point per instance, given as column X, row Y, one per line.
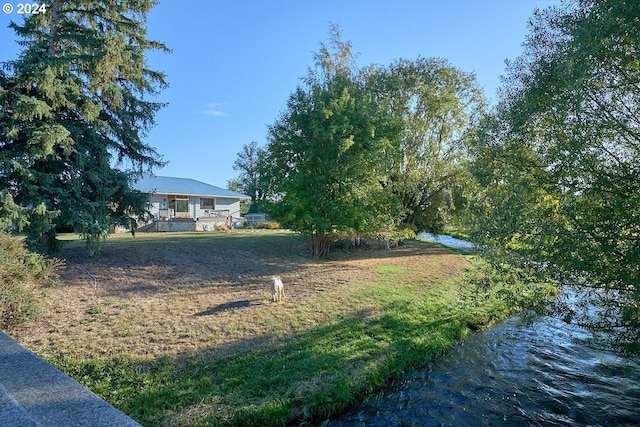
column 75, row 107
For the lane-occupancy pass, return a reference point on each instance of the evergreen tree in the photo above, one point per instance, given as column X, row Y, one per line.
column 75, row 107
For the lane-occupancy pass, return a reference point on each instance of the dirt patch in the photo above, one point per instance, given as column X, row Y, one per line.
column 171, row 294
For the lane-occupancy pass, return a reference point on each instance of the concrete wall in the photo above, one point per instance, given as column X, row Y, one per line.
column 176, row 225
column 33, row 393
column 202, row 224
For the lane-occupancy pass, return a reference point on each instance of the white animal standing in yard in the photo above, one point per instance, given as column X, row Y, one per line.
column 277, row 288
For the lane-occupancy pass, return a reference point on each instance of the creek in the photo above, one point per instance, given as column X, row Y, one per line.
column 524, row 371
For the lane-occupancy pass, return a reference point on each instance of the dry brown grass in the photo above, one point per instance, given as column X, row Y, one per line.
column 160, row 294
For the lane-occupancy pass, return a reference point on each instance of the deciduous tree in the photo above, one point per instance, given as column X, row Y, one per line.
column 558, row 163
column 249, row 164
column 438, row 106
column 325, row 153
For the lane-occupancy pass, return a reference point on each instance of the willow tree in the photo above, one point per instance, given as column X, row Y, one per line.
column 438, row 107
column 324, row 156
column 75, row 107
column 559, row 160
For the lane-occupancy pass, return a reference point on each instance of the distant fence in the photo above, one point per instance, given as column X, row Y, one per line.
column 254, row 218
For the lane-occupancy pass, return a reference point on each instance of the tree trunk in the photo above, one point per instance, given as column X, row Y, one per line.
column 320, row 244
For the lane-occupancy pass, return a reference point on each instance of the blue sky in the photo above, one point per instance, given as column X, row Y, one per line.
column 234, row 63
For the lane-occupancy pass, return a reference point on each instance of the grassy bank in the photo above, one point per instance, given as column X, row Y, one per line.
column 172, row 335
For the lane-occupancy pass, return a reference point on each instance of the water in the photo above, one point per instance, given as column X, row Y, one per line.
column 539, row 372
column 545, row 373
column 449, row 241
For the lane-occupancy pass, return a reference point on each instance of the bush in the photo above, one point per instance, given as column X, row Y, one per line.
column 21, row 273
column 493, row 290
column 273, row 225
column 269, row 225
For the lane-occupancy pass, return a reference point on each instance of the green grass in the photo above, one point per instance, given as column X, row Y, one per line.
column 309, row 377
column 389, row 269
column 395, row 322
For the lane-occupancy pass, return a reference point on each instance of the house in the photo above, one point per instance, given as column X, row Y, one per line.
column 183, row 204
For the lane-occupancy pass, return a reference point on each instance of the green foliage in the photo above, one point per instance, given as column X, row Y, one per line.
column 323, row 162
column 73, row 116
column 438, row 106
column 11, row 215
column 557, row 163
column 498, row 285
column 250, row 181
column 96, row 309
column 369, row 151
column 269, row 225
column 306, row 379
column 21, row 274
column 41, row 229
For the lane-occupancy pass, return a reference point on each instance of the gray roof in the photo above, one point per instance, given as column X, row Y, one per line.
column 182, row 186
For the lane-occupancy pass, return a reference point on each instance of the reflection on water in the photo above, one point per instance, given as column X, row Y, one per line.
column 542, row 374
column 536, row 373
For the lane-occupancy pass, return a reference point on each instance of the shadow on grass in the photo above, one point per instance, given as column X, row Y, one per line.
column 166, row 262
column 224, row 307
column 307, row 377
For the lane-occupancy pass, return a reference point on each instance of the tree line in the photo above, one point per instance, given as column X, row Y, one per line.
column 555, row 166
column 362, row 151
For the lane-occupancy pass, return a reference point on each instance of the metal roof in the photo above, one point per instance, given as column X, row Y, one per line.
column 182, row 186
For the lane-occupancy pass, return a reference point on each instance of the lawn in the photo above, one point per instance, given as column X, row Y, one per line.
column 179, row 329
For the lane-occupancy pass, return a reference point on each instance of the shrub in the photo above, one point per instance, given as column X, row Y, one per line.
column 21, row 273
column 269, row 225
column 273, row 225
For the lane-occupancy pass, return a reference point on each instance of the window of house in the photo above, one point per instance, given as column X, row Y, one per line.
column 179, row 205
column 207, row 203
